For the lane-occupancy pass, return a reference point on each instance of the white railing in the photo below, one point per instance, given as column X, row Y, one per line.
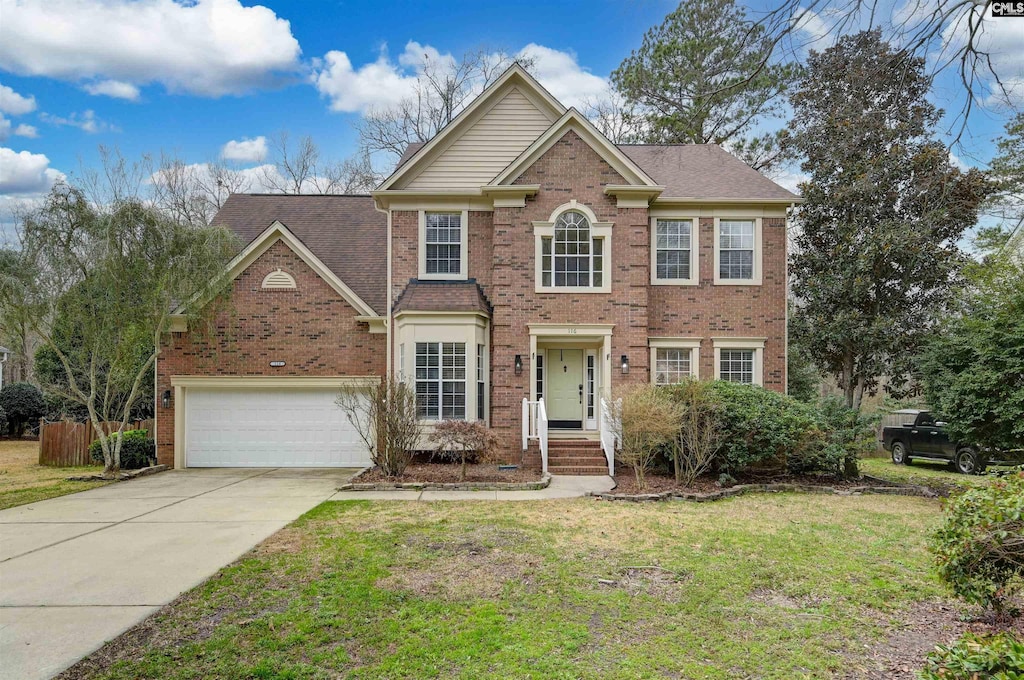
column 535, row 426
column 609, row 438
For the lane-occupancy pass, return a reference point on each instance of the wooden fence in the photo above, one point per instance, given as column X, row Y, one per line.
column 66, row 443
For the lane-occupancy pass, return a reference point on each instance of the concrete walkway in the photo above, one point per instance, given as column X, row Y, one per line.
column 79, row 570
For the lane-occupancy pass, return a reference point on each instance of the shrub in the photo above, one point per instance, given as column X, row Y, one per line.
column 698, row 439
column 23, row 404
column 462, row 440
column 137, row 449
column 758, row 425
column 972, row 657
column 386, row 419
column 646, row 419
column 3, row 420
column 979, row 548
column 842, row 435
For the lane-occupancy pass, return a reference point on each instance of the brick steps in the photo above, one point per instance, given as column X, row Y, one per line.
column 569, row 457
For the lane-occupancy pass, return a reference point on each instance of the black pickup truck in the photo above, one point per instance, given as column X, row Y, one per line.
column 920, row 435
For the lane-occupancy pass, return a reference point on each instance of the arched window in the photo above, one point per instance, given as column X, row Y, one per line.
column 572, row 257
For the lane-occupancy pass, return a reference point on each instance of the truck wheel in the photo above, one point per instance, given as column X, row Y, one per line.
column 968, row 463
column 899, row 454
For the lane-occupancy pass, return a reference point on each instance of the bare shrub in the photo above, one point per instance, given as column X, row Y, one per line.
column 385, row 418
column 461, row 440
column 646, row 419
column 699, row 437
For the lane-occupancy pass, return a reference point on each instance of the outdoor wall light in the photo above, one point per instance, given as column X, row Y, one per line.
column 625, row 364
column 519, row 364
column 165, row 399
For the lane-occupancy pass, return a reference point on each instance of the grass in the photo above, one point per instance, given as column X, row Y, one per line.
column 922, row 473
column 767, row 586
column 23, row 480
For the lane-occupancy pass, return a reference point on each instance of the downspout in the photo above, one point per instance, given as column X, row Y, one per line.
column 785, row 349
column 388, row 322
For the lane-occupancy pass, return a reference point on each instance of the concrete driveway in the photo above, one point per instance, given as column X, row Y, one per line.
column 77, row 571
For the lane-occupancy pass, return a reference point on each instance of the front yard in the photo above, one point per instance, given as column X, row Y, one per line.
column 766, row 586
column 934, row 475
column 23, row 480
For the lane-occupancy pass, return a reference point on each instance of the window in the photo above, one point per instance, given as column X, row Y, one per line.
column 672, row 365
column 441, row 380
column 443, row 240
column 572, row 257
column 736, row 251
column 481, row 400
column 736, row 365
column 673, row 251
column 540, row 375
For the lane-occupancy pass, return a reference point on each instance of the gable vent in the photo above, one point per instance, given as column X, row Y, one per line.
column 278, row 279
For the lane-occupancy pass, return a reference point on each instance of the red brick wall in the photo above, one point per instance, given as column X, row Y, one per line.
column 707, row 310
column 311, row 328
column 571, row 169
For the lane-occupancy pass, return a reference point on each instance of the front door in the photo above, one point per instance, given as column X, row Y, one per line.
column 565, row 388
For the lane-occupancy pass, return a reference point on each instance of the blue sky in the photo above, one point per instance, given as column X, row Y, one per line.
column 190, row 77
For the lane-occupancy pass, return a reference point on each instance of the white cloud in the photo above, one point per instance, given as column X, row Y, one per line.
column 24, row 173
column 85, row 121
column 387, row 81
column 15, row 104
column 560, row 73
column 113, row 88
column 377, row 84
column 246, row 150
column 810, row 22
column 24, row 130
column 205, row 47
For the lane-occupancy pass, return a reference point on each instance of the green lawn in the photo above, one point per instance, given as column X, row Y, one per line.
column 23, row 480
column 922, row 473
column 766, row 586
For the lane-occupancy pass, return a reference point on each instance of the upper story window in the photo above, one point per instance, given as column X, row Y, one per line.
column 572, row 257
column 443, row 245
column 674, row 251
column 572, row 251
column 737, row 251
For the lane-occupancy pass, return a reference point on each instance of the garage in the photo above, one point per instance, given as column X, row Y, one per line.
column 269, row 427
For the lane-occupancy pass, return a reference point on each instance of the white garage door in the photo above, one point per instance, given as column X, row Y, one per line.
column 269, row 428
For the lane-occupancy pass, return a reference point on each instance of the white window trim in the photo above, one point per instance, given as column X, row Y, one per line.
column 463, row 250
column 758, row 237
column 602, row 230
column 692, row 344
column 755, row 344
column 694, row 252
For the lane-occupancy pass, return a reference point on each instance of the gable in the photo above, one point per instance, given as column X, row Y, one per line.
column 511, row 106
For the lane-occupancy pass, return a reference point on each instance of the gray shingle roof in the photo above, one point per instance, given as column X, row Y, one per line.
column 702, row 171
column 443, row 296
column 346, row 232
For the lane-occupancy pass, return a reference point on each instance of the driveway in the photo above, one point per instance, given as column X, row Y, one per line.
column 77, row 571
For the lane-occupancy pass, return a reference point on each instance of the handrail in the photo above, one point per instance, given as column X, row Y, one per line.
column 542, row 432
column 608, row 436
column 535, row 426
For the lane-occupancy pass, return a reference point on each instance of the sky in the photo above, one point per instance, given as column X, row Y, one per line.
column 214, row 79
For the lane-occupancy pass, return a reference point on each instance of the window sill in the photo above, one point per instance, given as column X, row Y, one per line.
column 572, row 289
column 738, row 282
column 675, row 282
column 442, row 277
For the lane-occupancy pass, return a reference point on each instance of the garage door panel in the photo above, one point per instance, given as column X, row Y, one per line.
column 269, row 428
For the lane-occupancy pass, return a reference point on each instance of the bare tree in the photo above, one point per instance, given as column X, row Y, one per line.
column 700, row 435
column 386, row 419
column 614, row 117
column 193, row 193
column 299, row 169
column 443, row 88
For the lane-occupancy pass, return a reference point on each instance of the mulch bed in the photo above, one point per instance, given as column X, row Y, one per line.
column 625, row 482
column 442, row 473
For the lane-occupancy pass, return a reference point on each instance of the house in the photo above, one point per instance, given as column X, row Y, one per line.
column 517, row 256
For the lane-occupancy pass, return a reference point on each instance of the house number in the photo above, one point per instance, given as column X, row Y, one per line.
column 572, row 331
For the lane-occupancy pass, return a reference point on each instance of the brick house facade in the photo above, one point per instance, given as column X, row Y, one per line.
column 496, row 265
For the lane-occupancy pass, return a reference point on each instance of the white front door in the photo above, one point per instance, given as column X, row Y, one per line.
column 565, row 388
column 267, row 427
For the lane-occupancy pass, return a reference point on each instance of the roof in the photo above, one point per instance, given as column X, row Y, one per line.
column 702, row 171
column 443, row 296
column 689, row 171
column 333, row 227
